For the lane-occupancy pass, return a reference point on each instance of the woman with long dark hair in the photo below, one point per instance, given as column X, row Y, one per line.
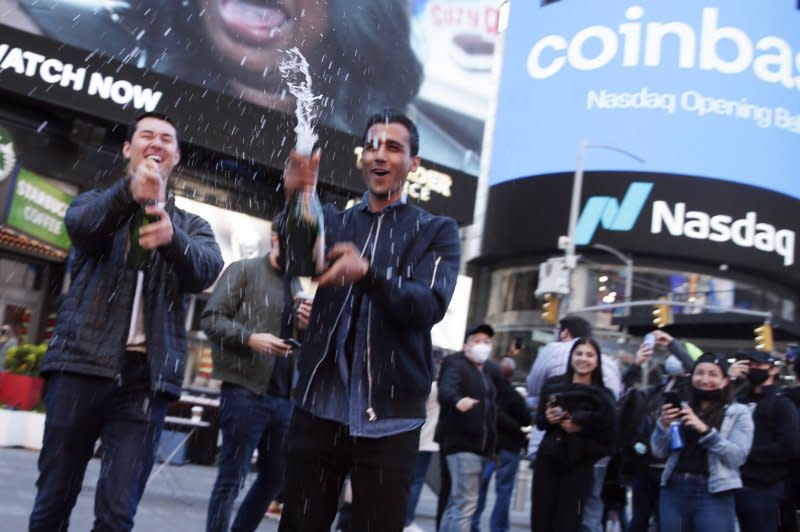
column 706, row 440
column 578, row 415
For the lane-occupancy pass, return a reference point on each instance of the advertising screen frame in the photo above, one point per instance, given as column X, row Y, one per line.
column 701, row 88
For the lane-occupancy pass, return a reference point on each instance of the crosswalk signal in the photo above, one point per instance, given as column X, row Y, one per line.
column 662, row 313
column 550, row 308
column 764, row 338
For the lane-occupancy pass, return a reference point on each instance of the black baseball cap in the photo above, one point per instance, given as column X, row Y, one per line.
column 479, row 328
column 756, row 356
column 714, row 358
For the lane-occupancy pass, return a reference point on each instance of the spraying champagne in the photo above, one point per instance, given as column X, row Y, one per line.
column 305, row 223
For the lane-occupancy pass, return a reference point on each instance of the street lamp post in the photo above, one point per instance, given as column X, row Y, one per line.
column 570, row 258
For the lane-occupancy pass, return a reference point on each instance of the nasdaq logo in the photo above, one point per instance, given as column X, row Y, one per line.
column 608, row 212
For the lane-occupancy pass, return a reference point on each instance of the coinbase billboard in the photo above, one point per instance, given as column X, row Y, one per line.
column 696, row 87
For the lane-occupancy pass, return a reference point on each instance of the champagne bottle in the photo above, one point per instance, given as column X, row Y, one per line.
column 138, row 257
column 305, row 235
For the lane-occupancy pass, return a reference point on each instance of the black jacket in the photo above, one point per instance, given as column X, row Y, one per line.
column 250, row 297
column 774, row 438
column 475, row 430
column 93, row 321
column 512, row 415
column 590, row 407
column 414, row 262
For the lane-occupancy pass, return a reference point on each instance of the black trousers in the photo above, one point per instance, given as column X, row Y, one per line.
column 321, row 453
column 558, row 495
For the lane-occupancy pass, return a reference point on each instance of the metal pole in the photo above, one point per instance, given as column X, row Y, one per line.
column 628, row 283
column 574, row 208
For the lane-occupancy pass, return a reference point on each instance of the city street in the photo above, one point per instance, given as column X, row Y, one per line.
column 175, row 501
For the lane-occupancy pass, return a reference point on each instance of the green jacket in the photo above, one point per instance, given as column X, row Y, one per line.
column 249, row 298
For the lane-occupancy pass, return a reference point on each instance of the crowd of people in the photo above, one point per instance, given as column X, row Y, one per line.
column 343, row 397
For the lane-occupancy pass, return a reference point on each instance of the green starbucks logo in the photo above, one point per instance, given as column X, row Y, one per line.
column 8, row 158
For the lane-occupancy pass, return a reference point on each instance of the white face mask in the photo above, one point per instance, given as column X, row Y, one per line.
column 479, row 353
column 673, row 366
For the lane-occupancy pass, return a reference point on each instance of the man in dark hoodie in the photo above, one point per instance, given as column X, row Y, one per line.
column 774, row 440
column 366, row 365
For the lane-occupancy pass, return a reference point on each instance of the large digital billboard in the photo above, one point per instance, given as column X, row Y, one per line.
column 432, row 57
column 702, row 88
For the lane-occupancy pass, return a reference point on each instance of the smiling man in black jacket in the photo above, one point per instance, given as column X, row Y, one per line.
column 116, row 357
column 365, row 368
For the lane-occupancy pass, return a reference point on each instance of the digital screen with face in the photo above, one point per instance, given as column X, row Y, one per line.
column 431, row 57
column 702, row 88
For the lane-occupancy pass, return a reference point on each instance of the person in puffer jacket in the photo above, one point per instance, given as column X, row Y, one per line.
column 117, row 354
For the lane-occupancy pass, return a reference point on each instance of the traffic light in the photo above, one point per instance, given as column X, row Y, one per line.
column 763, row 337
column 662, row 313
column 550, row 308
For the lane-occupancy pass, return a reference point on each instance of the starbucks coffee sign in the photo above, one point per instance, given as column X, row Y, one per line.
column 38, row 208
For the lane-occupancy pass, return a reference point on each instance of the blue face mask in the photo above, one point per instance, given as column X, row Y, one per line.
column 673, row 366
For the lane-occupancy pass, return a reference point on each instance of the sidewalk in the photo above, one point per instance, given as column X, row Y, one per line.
column 176, row 500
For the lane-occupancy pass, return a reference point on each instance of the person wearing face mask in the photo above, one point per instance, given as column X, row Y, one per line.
column 776, row 432
column 578, row 416
column 677, row 358
column 705, row 443
column 466, row 431
column 640, row 409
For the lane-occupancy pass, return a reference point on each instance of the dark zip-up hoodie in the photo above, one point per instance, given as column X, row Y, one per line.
column 414, row 261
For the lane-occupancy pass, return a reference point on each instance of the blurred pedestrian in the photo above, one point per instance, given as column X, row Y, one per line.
column 776, row 437
column 248, row 319
column 640, row 410
column 512, row 416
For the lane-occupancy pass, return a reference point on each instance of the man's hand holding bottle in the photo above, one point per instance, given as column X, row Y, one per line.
column 300, row 172
column 147, row 185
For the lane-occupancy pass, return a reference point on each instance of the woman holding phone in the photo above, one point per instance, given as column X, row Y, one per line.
column 705, row 442
column 578, row 415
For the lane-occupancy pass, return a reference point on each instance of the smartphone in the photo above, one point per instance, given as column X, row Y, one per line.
column 292, row 342
column 672, row 398
column 649, row 340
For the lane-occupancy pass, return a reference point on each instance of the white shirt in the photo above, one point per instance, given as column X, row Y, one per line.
column 136, row 334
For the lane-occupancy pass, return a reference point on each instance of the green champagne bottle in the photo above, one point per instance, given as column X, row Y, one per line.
column 138, row 257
